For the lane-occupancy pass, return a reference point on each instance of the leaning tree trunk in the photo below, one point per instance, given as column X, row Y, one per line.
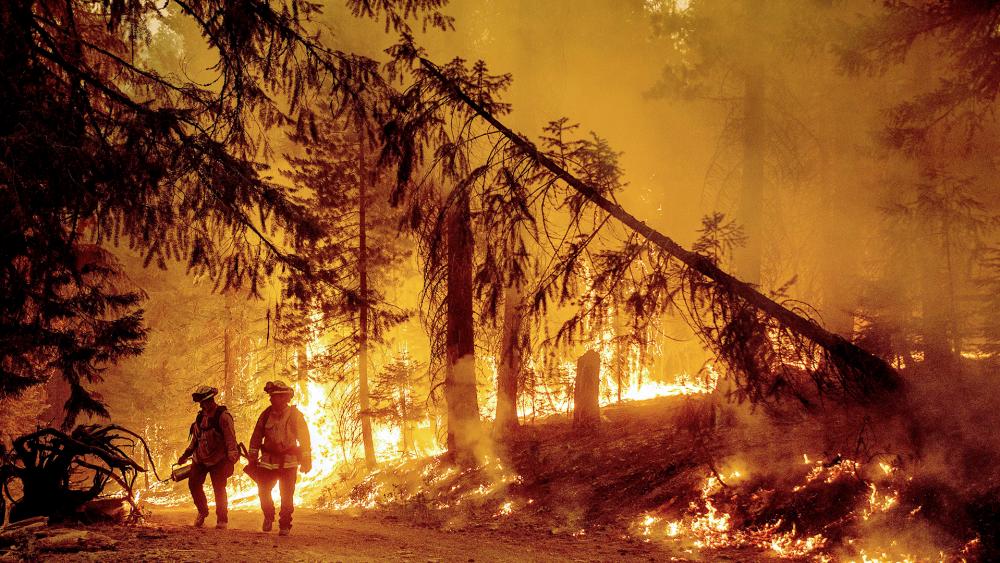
column 460, row 371
column 509, row 372
column 363, row 312
column 867, row 377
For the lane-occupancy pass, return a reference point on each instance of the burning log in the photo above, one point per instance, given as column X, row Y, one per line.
column 586, row 392
column 62, row 474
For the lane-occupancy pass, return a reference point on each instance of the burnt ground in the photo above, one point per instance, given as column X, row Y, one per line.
column 646, row 455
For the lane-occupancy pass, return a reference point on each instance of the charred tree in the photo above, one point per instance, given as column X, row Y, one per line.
column 460, row 371
column 586, row 392
column 511, row 361
column 363, row 312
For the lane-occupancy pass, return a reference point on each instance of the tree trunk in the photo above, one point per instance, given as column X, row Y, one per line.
column 57, row 392
column 366, row 424
column 748, row 258
column 934, row 291
column 586, row 392
column 621, row 354
column 878, row 376
column 837, row 269
column 932, row 226
column 460, row 371
column 228, row 353
column 509, row 372
column 404, row 415
column 301, row 364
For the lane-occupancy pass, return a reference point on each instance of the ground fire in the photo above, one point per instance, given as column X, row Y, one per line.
column 459, row 280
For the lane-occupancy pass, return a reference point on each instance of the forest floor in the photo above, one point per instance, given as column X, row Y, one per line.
column 328, row 536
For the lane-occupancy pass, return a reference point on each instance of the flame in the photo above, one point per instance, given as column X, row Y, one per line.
column 321, row 402
column 883, row 557
column 791, row 354
column 705, row 526
column 623, row 373
column 506, row 509
column 439, row 486
column 976, row 355
column 636, row 386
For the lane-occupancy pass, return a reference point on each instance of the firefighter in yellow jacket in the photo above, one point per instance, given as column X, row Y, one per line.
column 281, row 440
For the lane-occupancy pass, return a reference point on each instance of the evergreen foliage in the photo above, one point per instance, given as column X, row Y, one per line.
column 326, row 303
column 967, row 82
column 100, row 146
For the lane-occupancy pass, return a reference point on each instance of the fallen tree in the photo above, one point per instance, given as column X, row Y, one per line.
column 58, row 474
column 773, row 349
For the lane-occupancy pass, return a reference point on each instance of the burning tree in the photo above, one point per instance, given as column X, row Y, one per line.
column 341, row 303
column 399, row 394
column 445, row 219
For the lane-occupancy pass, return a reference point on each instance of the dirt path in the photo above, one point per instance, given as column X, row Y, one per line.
column 326, row 536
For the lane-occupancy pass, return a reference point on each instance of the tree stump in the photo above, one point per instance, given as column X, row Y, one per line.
column 586, row 409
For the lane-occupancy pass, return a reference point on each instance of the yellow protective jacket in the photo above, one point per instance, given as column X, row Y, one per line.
column 281, row 439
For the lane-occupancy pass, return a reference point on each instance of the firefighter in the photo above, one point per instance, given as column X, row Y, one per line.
column 281, row 439
column 214, row 452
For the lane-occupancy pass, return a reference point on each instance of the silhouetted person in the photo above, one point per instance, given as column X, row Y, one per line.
column 213, row 447
column 282, row 439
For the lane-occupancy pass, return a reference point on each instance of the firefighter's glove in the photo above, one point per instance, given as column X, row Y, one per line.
column 306, row 466
column 183, row 459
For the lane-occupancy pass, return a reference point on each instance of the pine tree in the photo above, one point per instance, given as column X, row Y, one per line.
column 448, row 225
column 102, row 146
column 396, row 394
column 962, row 88
column 727, row 53
column 359, row 256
